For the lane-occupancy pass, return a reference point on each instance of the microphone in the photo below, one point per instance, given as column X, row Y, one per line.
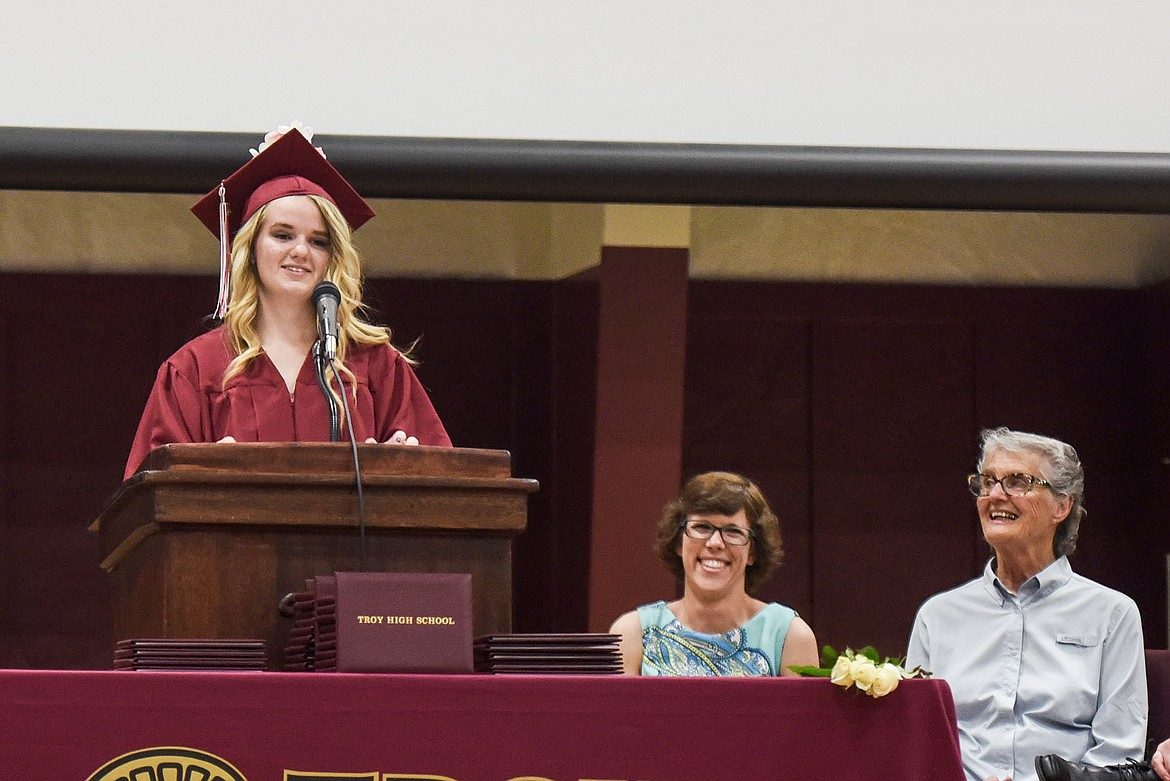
column 326, row 298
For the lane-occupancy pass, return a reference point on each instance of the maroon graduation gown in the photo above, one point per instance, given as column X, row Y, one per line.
column 189, row 404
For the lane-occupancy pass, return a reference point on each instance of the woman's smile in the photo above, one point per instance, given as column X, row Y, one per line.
column 292, row 248
column 713, row 564
column 295, row 269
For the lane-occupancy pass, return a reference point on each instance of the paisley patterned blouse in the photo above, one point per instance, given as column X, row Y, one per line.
column 669, row 648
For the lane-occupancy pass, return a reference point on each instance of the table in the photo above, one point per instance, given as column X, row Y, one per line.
column 326, row 726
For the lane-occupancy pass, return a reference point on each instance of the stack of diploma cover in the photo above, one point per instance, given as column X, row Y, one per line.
column 300, row 648
column 387, row 622
column 549, row 654
column 178, row 654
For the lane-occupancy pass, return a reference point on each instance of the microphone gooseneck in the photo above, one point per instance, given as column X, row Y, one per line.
column 319, row 363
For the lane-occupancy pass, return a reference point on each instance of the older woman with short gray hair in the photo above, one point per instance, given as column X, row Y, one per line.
column 1040, row 660
column 1063, row 472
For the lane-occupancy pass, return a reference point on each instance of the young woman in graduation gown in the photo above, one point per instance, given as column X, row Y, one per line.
column 253, row 379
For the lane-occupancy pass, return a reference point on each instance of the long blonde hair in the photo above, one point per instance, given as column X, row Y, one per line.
column 345, row 271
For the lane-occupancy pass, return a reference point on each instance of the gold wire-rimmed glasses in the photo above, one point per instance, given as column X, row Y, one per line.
column 1012, row 485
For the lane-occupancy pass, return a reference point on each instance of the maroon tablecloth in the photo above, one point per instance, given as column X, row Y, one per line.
column 295, row 727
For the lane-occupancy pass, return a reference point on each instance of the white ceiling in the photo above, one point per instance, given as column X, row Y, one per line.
column 969, row 74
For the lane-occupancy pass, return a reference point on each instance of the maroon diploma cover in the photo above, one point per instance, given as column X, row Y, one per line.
column 403, row 622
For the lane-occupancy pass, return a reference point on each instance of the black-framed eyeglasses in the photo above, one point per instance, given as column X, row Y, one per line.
column 1012, row 485
column 731, row 534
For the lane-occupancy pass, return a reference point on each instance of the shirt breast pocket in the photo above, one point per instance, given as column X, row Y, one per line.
column 1078, row 641
column 1073, row 680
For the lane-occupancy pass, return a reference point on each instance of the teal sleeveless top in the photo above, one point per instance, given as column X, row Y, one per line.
column 754, row 649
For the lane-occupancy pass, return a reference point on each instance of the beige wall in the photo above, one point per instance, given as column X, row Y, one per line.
column 938, row 247
column 140, row 233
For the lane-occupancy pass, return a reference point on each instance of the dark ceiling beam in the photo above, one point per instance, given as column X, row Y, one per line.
column 609, row 172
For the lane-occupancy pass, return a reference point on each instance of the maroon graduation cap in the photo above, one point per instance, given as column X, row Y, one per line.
column 289, row 165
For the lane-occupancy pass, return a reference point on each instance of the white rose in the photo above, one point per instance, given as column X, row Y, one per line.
column 840, row 674
column 273, row 135
column 864, row 671
column 886, row 680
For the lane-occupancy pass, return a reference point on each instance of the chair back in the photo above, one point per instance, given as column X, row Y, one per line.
column 1158, row 686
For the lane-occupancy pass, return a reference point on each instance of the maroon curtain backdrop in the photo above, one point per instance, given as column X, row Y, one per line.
column 856, row 407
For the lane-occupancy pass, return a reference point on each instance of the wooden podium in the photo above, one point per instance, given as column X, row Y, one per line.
column 206, row 539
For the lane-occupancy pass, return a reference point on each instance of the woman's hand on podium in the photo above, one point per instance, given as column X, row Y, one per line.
column 397, row 438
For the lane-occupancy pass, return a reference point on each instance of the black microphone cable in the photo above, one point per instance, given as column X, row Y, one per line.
column 357, row 471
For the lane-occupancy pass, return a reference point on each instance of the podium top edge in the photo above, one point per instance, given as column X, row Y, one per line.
column 330, row 458
column 326, row 462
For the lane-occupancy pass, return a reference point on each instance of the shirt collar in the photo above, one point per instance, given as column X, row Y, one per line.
column 1036, row 587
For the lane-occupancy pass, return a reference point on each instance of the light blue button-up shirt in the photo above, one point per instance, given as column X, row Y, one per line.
column 1058, row 668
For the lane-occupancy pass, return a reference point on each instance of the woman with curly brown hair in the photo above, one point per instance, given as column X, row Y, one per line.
column 722, row 541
